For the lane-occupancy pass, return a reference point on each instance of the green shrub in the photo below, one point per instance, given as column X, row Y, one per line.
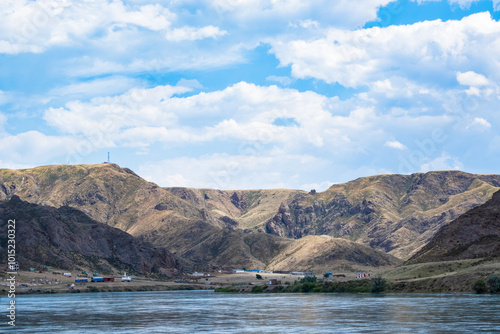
column 479, row 286
column 257, row 288
column 494, row 283
column 309, row 279
column 258, row 276
column 231, row 290
column 307, row 287
column 377, row 285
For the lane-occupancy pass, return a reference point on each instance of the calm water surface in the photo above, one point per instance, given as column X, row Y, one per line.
column 207, row 312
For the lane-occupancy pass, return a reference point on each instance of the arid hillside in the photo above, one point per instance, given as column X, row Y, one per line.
column 324, row 253
column 67, row 238
column 475, row 234
column 397, row 214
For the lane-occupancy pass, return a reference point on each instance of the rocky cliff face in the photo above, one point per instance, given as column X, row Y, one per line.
column 67, row 238
column 396, row 214
column 475, row 234
column 195, row 225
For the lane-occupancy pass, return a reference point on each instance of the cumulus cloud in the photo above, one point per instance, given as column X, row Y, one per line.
column 223, row 171
column 32, row 147
column 243, row 112
column 479, row 123
column 471, row 78
column 93, row 88
column 346, row 14
column 34, row 26
column 286, row 81
column 395, row 144
column 193, row 34
column 443, row 162
column 419, row 51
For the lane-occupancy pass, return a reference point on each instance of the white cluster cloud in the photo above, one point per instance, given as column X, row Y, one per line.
column 29, row 147
column 193, row 34
column 463, row 4
column 442, row 162
column 480, row 123
column 243, row 112
column 224, row 171
column 34, row 26
column 308, row 14
column 471, row 78
column 424, row 50
column 126, row 36
column 395, row 144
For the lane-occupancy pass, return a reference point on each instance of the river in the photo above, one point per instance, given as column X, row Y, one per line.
column 209, row 312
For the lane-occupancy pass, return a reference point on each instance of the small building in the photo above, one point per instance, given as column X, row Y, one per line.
column 67, row 274
column 274, row 281
column 108, row 279
column 235, row 271
column 81, row 280
column 362, row 275
column 97, row 279
column 198, row 274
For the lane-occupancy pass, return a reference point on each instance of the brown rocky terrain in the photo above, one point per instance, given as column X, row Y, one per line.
column 397, row 214
column 475, row 234
column 324, row 253
column 66, row 238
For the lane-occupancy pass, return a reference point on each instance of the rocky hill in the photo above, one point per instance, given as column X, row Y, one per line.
column 66, row 238
column 325, row 253
column 397, row 214
column 475, row 234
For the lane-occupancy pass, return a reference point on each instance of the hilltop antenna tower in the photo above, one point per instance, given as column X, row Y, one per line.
column 108, row 157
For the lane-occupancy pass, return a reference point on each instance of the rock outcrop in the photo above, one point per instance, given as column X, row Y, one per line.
column 475, row 234
column 67, row 238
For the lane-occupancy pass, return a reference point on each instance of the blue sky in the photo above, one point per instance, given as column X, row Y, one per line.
column 241, row 94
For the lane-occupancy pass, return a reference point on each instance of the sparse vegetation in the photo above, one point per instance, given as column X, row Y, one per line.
column 309, row 279
column 480, row 286
column 258, row 288
column 377, row 285
column 494, row 283
column 227, row 290
column 355, row 286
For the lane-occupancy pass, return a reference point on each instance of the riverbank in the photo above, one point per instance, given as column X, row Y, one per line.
column 436, row 277
column 40, row 283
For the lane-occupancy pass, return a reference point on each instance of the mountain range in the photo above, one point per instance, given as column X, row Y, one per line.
column 369, row 222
